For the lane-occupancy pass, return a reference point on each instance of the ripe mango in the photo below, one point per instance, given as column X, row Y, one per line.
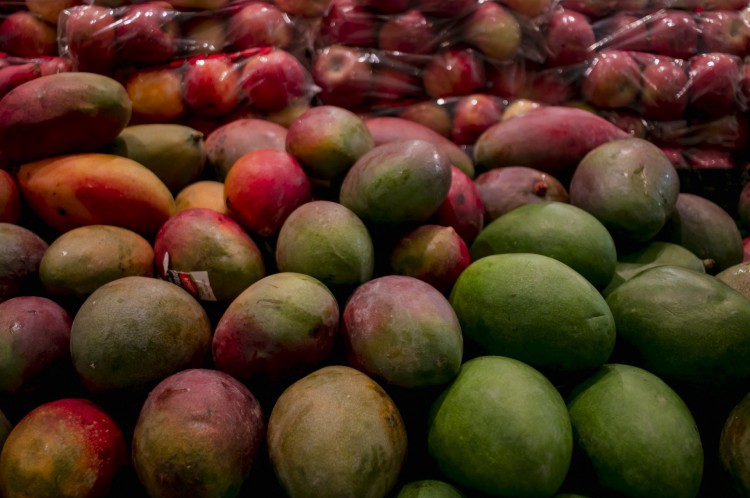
column 95, row 189
column 21, row 252
column 174, row 152
column 85, row 258
column 62, row 113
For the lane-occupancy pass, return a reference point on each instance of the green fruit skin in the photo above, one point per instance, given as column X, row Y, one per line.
column 734, row 446
column 20, row 255
column 197, row 435
column 397, row 182
column 136, row 331
column 654, row 253
column 175, row 153
column 336, row 433
column 283, row 325
column 501, row 428
column 201, row 239
column 404, row 331
column 327, row 241
column 629, row 185
column 637, row 433
column 684, row 326
column 429, row 488
column 83, row 259
column 328, row 140
column 535, row 309
column 704, row 228
column 737, row 277
column 555, row 229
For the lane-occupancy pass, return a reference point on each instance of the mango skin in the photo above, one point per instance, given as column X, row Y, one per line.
column 737, row 277
column 20, row 255
column 555, row 229
column 68, row 447
column 429, row 488
column 480, row 427
column 233, row 140
column 85, row 258
column 136, row 331
column 397, row 182
column 34, row 336
column 403, row 331
column 175, row 153
column 282, row 326
column 96, row 189
column 734, row 442
column 201, row 239
column 686, row 327
column 336, row 432
column 636, row 433
column 535, row 309
column 197, row 434
column 202, row 194
column 62, row 113
column 5, row 427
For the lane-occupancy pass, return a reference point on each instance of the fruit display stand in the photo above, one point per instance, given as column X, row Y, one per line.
column 387, row 249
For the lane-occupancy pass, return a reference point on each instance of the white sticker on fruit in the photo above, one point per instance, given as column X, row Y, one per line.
column 195, row 282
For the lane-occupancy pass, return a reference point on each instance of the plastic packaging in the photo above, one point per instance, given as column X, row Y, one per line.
column 15, row 71
column 25, row 34
column 218, row 88
column 100, row 39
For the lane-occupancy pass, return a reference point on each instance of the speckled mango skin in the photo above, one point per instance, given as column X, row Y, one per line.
column 85, row 258
column 20, row 254
column 202, row 239
column 336, row 432
column 62, row 113
column 67, row 448
column 403, row 331
column 280, row 326
column 95, row 189
column 197, row 435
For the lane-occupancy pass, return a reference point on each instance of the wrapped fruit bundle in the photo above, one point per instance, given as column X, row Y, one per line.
column 101, row 39
column 218, row 88
column 17, row 70
column 26, row 34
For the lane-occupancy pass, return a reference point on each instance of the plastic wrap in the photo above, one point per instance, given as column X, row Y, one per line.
column 219, row 88
column 100, row 39
column 25, row 34
column 597, row 9
column 15, row 71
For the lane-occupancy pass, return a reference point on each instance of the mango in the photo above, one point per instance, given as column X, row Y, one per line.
column 737, row 277
column 198, row 434
column 655, row 253
column 555, row 229
column 5, row 427
column 226, row 144
column 734, row 442
column 635, row 435
column 336, row 432
column 68, row 447
column 95, row 189
column 432, row 253
column 135, row 331
column 34, row 339
column 402, row 331
column 629, row 185
column 501, row 428
column 462, row 208
column 20, row 256
column 282, row 326
column 386, row 129
column 397, row 182
column 328, row 140
column 62, row 113
column 504, row 189
column 174, row 152
column 202, row 194
column 686, row 327
column 85, row 258
column 10, row 198
column 703, row 227
column 210, row 247
column 327, row 241
column 429, row 488
column 535, row 309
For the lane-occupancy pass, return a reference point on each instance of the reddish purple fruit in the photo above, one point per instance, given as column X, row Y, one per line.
column 462, row 208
